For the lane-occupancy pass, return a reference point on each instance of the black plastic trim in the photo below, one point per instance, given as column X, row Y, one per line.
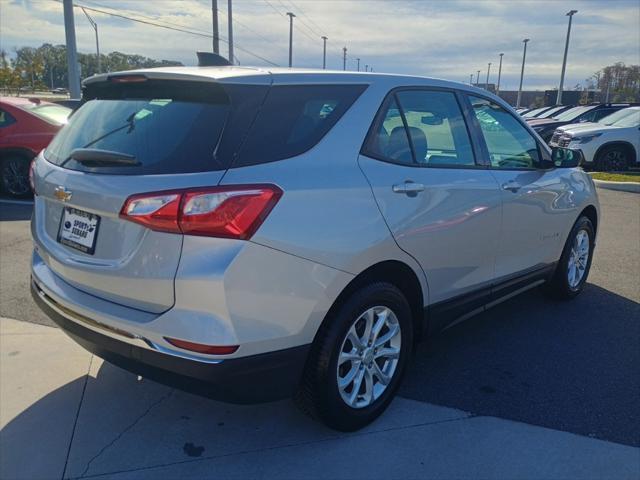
column 253, row 379
column 442, row 314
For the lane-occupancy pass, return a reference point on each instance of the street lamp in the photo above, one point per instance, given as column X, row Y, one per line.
column 499, row 75
column 486, row 84
column 524, row 57
column 471, row 79
column 570, row 14
column 477, row 78
column 291, row 17
column 95, row 28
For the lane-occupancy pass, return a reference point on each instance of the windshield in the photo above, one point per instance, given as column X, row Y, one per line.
column 550, row 112
column 572, row 113
column 614, row 117
column 51, row 113
column 631, row 120
column 534, row 112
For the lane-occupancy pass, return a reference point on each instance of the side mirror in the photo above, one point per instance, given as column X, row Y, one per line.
column 566, row 158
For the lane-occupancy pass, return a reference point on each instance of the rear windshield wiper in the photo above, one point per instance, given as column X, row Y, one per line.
column 103, row 158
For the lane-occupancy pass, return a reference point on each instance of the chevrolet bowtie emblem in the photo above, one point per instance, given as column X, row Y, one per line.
column 62, row 194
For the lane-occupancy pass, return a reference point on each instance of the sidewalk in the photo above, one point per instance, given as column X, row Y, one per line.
column 66, row 413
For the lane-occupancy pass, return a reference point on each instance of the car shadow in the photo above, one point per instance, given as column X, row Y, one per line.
column 571, row 366
column 10, row 212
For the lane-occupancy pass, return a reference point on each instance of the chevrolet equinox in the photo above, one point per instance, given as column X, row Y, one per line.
column 258, row 233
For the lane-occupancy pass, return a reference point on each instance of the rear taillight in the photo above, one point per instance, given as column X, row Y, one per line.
column 230, row 211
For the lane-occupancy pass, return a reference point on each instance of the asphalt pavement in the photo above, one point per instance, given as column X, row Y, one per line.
column 567, row 366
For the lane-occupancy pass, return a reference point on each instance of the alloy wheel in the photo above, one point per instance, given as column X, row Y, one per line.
column 368, row 357
column 578, row 259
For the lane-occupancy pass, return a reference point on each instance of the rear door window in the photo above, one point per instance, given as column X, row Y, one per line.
column 293, row 119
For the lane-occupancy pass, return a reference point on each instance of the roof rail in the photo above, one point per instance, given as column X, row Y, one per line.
column 208, row 59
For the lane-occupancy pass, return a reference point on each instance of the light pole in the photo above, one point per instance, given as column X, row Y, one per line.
column 499, row 75
column 324, row 53
column 471, row 79
column 214, row 22
column 570, row 14
column 230, row 30
column 95, row 28
column 291, row 17
column 366, row 68
column 524, row 57
column 478, row 78
column 72, row 54
column 358, row 63
column 344, row 58
column 486, row 84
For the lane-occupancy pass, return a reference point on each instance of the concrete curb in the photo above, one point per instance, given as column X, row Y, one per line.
column 632, row 187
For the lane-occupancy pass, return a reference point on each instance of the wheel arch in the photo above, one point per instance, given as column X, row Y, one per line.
column 23, row 152
column 592, row 214
column 628, row 146
column 397, row 273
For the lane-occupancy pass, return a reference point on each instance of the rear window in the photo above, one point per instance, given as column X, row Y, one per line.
column 56, row 114
column 293, row 119
column 168, row 127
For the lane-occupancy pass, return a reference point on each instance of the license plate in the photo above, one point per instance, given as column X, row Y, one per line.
column 79, row 230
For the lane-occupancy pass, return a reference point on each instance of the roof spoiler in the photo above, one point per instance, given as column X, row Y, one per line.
column 208, row 59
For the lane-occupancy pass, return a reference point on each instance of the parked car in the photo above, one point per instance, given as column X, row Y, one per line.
column 608, row 120
column 257, row 234
column 584, row 113
column 535, row 112
column 610, row 145
column 553, row 111
column 26, row 127
column 60, row 90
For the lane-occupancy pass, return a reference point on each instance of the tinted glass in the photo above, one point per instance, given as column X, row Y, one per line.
column 6, row 119
column 510, row 145
column 293, row 119
column 437, row 130
column 180, row 131
column 598, row 114
column 389, row 138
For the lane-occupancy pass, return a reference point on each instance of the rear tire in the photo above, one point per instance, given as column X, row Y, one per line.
column 573, row 268
column 14, row 176
column 613, row 159
column 352, row 374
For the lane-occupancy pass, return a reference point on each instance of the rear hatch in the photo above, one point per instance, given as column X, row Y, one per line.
column 133, row 135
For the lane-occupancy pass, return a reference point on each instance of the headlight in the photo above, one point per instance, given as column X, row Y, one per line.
column 586, row 138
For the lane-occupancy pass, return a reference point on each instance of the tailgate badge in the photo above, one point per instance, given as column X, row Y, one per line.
column 62, row 194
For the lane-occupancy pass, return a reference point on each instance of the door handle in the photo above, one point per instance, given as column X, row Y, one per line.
column 409, row 188
column 512, row 186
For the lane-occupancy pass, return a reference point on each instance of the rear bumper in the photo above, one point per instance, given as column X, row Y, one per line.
column 252, row 379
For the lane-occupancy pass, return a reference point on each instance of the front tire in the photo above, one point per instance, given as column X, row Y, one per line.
column 358, row 358
column 613, row 159
column 574, row 265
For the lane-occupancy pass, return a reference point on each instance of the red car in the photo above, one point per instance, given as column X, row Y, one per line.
column 27, row 125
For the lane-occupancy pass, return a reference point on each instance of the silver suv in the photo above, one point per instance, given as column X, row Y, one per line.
column 251, row 234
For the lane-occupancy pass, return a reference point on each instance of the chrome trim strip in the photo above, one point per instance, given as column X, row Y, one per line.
column 112, row 332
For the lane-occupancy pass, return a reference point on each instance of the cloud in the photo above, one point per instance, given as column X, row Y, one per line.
column 445, row 39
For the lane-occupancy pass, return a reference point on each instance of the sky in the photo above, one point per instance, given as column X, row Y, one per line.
column 437, row 38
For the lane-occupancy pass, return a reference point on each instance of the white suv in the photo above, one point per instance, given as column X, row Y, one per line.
column 612, row 144
column 260, row 233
